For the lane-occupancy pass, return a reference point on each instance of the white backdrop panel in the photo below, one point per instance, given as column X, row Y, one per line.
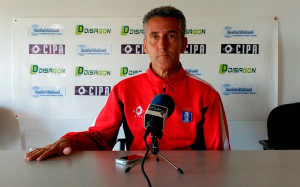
column 246, row 49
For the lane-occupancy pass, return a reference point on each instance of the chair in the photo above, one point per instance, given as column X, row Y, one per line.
column 122, row 143
column 283, row 127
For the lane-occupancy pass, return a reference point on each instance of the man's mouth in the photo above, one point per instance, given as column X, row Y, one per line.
column 163, row 55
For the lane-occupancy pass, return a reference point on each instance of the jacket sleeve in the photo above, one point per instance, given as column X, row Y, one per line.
column 215, row 127
column 105, row 130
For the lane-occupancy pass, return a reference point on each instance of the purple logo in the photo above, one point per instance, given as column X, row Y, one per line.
column 195, row 49
column 92, row 90
column 57, row 49
column 132, row 49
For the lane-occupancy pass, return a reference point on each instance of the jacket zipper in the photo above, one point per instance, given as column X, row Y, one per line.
column 164, row 88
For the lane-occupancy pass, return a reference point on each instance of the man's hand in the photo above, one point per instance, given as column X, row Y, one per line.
column 62, row 146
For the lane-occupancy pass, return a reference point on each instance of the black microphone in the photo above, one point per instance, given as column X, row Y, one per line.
column 161, row 107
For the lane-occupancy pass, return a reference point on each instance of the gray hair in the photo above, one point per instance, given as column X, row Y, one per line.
column 166, row 11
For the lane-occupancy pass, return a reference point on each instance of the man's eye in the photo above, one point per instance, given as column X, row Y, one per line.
column 172, row 36
column 155, row 37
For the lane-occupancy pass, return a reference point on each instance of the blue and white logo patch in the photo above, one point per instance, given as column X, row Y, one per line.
column 186, row 117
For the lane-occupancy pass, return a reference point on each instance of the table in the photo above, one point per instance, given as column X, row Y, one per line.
column 201, row 168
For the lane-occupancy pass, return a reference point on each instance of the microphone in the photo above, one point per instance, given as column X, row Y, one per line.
column 161, row 107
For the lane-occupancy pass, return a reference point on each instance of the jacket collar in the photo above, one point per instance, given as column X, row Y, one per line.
column 158, row 82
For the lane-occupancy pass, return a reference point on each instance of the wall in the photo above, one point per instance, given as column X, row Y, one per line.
column 243, row 135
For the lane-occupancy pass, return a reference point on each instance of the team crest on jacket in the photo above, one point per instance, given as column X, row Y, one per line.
column 186, row 116
column 138, row 112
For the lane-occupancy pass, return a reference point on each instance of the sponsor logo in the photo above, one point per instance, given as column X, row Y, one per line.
column 228, row 89
column 229, row 32
column 195, row 31
column 132, row 49
column 186, row 115
column 138, row 112
column 158, row 109
column 55, row 29
column 126, row 30
column 125, row 71
column 35, row 69
column 193, row 71
column 225, row 69
column 80, row 29
column 92, row 90
column 195, row 49
column 83, row 50
column 240, row 48
column 48, row 92
column 81, row 71
column 57, row 49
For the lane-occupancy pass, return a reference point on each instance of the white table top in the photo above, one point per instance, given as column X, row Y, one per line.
column 201, row 168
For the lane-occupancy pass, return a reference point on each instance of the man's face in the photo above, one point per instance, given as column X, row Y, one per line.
column 163, row 42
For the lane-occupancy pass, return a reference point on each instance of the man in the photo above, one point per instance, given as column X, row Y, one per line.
column 198, row 121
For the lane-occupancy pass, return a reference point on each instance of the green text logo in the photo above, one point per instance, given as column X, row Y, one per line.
column 81, row 29
column 195, row 31
column 125, row 71
column 225, row 69
column 81, row 71
column 126, row 30
column 34, row 69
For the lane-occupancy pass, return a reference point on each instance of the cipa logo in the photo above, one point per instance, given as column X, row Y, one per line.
column 92, row 90
column 132, row 49
column 57, row 49
column 195, row 49
column 239, row 48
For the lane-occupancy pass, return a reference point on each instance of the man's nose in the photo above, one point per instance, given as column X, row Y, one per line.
column 163, row 42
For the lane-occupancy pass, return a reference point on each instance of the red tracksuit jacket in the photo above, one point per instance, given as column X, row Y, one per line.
column 198, row 121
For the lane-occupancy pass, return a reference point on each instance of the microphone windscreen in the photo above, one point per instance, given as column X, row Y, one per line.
column 164, row 100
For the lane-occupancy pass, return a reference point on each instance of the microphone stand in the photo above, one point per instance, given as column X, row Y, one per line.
column 155, row 151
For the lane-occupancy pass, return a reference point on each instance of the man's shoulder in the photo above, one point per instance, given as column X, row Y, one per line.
column 202, row 88
column 197, row 81
column 133, row 79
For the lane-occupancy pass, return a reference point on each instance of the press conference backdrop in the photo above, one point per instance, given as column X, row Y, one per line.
column 65, row 68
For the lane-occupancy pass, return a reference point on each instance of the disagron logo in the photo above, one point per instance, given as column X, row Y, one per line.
column 81, row 71
column 225, row 69
column 126, row 30
column 81, row 29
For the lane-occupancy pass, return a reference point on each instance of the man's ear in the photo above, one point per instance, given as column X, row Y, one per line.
column 183, row 44
column 145, row 45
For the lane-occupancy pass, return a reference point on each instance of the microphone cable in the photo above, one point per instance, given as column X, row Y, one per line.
column 142, row 165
